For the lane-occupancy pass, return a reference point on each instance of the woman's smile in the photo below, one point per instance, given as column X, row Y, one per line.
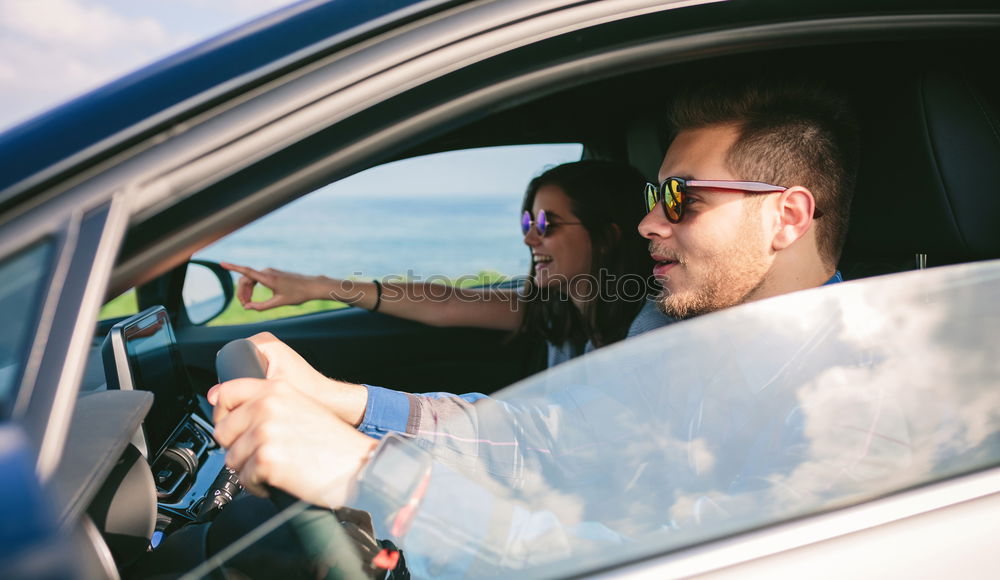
column 564, row 252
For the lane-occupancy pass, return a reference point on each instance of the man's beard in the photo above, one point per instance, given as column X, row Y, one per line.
column 723, row 280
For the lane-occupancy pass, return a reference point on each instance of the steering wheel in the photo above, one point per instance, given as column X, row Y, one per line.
column 324, row 540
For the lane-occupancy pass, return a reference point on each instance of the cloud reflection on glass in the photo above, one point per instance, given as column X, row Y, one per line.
column 735, row 420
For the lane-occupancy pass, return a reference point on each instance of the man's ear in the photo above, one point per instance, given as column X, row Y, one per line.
column 795, row 206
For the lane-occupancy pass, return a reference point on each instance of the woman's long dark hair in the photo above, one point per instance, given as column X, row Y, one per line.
column 606, row 197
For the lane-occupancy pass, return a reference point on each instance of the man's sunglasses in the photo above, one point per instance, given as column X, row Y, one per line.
column 673, row 193
column 542, row 225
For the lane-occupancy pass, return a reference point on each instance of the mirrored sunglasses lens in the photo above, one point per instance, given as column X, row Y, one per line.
column 652, row 196
column 673, row 199
column 541, row 223
column 525, row 223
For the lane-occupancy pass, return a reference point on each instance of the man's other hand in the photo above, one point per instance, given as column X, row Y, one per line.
column 276, row 435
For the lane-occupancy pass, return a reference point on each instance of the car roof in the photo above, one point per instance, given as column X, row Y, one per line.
column 103, row 122
column 108, row 119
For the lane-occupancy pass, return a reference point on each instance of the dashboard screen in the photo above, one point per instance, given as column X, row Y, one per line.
column 145, row 346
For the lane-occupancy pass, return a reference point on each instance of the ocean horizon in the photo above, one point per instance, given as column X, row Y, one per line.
column 383, row 235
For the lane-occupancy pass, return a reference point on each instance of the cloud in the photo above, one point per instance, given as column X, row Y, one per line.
column 239, row 8
column 56, row 49
column 910, row 401
column 78, row 26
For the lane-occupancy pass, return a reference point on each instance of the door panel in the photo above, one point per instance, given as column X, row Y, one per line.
column 356, row 345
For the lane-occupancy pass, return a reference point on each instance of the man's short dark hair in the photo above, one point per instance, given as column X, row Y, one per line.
column 791, row 133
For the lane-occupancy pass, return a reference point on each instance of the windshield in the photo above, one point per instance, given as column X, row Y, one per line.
column 724, row 423
column 22, row 277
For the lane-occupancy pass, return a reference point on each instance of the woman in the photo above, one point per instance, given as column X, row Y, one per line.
column 589, row 278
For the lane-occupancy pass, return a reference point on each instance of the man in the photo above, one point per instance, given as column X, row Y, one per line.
column 731, row 245
column 753, row 203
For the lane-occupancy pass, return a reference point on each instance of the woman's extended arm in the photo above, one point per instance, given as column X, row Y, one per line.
column 434, row 304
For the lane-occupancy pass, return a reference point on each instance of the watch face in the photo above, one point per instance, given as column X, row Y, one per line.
column 392, row 485
column 397, row 467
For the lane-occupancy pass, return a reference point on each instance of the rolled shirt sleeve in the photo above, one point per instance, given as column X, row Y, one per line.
column 394, row 411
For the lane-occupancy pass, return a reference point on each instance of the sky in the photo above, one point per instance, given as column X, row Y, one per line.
column 54, row 50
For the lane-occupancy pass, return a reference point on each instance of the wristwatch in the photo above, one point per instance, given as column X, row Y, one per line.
column 394, row 481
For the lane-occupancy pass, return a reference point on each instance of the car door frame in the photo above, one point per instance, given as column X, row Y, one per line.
column 84, row 228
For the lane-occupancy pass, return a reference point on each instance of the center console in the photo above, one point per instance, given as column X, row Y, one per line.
column 188, row 467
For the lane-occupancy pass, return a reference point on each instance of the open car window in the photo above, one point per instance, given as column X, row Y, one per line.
column 734, row 421
column 447, row 217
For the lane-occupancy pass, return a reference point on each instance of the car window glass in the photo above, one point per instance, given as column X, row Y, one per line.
column 22, row 277
column 448, row 217
column 731, row 422
column 717, row 425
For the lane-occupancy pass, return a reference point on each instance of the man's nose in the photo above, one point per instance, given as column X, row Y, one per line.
column 656, row 224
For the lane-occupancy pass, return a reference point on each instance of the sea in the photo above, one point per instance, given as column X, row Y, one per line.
column 385, row 235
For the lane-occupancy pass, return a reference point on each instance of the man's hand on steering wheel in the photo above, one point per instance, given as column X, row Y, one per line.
column 346, row 400
column 284, row 444
column 276, row 435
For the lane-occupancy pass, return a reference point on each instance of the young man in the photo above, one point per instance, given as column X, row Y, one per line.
column 754, row 197
column 753, row 202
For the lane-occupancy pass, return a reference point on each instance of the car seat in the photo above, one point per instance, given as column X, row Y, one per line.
column 928, row 188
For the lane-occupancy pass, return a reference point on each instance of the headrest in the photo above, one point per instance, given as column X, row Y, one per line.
column 929, row 180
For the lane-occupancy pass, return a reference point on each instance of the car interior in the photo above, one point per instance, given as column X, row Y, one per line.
column 925, row 197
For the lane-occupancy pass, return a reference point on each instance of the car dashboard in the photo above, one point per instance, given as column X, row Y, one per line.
column 140, row 458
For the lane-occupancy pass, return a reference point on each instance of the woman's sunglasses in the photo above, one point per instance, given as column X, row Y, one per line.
column 542, row 225
column 673, row 193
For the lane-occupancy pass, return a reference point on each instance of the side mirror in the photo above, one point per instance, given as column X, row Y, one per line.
column 208, row 289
